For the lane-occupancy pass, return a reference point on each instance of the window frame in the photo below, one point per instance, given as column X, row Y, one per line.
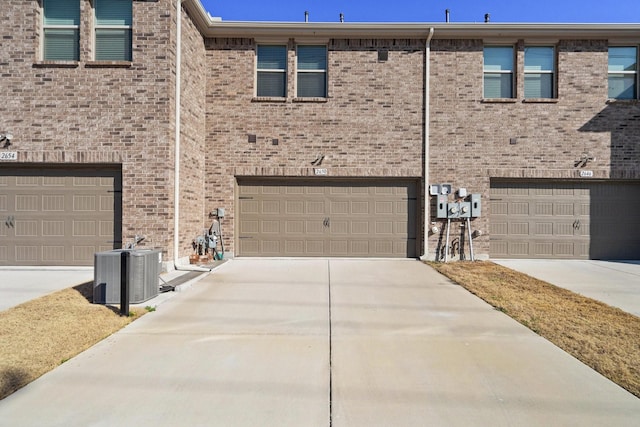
column 284, row 70
column 511, row 72
column 97, row 27
column 552, row 72
column 74, row 27
column 324, row 72
column 634, row 73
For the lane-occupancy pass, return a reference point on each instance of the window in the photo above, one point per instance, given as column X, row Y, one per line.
column 272, row 71
column 61, row 25
column 498, row 72
column 113, row 30
column 623, row 72
column 539, row 72
column 312, row 72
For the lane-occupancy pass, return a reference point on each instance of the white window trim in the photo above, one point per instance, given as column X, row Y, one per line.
column 628, row 73
column 97, row 27
column 324, row 71
column 45, row 27
column 512, row 72
column 265, row 70
column 554, row 89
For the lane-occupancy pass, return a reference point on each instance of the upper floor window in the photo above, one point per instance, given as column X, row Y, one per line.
column 539, row 67
column 61, row 24
column 623, row 72
column 498, row 72
column 312, row 71
column 272, row 71
column 113, row 30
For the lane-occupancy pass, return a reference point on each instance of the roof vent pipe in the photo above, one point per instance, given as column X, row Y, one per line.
column 342, row 17
column 306, row 16
column 487, row 17
column 446, row 15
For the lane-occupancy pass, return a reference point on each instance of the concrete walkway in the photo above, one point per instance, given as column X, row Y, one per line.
column 616, row 283
column 318, row 343
column 20, row 285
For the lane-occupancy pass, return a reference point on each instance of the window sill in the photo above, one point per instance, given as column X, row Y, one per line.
column 269, row 99
column 540, row 101
column 311, row 99
column 108, row 64
column 499, row 100
column 56, row 64
column 623, row 101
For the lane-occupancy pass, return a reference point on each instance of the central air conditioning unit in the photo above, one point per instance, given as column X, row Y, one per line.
column 144, row 267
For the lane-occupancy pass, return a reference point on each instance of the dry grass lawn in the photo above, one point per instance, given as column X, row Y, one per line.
column 39, row 335
column 605, row 338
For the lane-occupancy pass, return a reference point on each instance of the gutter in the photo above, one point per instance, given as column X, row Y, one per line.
column 427, row 103
column 176, row 168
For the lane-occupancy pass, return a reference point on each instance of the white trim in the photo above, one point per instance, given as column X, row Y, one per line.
column 625, row 72
column 112, row 27
column 512, row 72
column 269, row 70
column 552, row 72
column 324, row 71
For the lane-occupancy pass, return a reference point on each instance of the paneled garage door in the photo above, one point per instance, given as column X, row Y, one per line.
column 328, row 218
column 581, row 220
column 57, row 216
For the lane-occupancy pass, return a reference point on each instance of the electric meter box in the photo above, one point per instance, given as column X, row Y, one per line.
column 465, row 210
column 145, row 265
column 476, row 205
column 441, row 206
column 453, row 210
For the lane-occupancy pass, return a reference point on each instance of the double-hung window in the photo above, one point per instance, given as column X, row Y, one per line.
column 498, row 71
column 623, row 72
column 113, row 30
column 312, row 71
column 539, row 66
column 272, row 71
column 61, row 24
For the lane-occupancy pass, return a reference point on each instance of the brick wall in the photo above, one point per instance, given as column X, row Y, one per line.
column 113, row 114
column 371, row 124
column 192, row 148
column 470, row 138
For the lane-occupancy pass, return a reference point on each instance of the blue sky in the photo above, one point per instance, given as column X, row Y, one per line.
column 596, row 11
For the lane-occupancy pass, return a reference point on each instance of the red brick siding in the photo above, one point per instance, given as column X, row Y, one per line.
column 371, row 124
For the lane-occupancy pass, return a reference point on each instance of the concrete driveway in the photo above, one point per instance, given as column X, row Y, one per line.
column 323, row 343
column 616, row 283
column 18, row 285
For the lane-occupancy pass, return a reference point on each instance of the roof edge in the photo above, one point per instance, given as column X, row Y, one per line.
column 214, row 28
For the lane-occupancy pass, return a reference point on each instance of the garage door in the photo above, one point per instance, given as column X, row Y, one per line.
column 58, row 217
column 579, row 220
column 329, row 218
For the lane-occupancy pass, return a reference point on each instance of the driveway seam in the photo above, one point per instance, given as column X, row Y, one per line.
column 330, row 345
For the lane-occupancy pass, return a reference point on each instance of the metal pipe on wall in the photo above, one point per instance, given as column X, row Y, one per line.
column 427, row 71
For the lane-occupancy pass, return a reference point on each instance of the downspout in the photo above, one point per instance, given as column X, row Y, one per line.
column 176, row 168
column 427, row 101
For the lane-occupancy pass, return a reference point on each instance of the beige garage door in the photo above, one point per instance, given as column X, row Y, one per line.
column 329, row 218
column 58, row 217
column 579, row 220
